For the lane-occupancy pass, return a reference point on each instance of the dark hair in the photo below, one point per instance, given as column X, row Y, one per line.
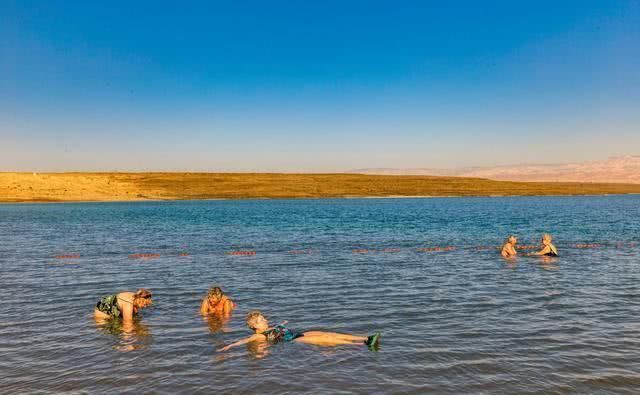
column 215, row 292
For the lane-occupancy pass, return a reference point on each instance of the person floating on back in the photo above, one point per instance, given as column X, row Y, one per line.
column 122, row 305
column 548, row 249
column 279, row 333
column 509, row 247
column 216, row 302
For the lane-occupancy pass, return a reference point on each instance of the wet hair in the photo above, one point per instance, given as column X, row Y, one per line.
column 252, row 317
column 215, row 292
column 547, row 237
column 510, row 236
column 142, row 297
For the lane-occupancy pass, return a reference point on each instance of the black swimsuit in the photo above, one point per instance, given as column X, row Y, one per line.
column 552, row 252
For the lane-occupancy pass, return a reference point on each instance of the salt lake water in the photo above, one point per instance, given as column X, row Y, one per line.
column 456, row 320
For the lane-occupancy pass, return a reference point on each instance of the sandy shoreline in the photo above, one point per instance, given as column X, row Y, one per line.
column 8, row 202
column 127, row 187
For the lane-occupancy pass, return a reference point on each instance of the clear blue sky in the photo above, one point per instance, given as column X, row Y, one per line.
column 316, row 86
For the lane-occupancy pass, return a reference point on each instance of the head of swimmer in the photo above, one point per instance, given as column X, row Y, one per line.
column 214, row 296
column 512, row 239
column 546, row 239
column 257, row 322
column 142, row 298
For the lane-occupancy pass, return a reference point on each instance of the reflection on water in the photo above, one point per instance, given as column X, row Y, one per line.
column 453, row 321
column 544, row 262
column 549, row 263
column 217, row 322
column 130, row 336
column 258, row 350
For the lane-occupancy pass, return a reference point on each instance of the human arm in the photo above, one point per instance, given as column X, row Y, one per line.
column 125, row 303
column 204, row 307
column 252, row 338
column 508, row 251
column 228, row 306
column 543, row 251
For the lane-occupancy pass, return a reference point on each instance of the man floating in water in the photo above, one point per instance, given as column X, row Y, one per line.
column 257, row 322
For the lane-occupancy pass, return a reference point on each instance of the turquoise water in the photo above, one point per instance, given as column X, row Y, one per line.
column 461, row 321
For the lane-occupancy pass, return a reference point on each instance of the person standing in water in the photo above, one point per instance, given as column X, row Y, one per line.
column 548, row 249
column 509, row 247
column 263, row 333
column 216, row 302
column 122, row 305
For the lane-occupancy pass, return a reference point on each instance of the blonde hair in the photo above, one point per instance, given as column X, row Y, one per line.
column 142, row 297
column 510, row 237
column 547, row 237
column 252, row 317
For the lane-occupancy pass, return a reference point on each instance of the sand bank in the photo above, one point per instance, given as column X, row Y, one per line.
column 74, row 187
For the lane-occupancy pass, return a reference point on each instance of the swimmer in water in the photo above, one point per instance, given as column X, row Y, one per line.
column 216, row 302
column 263, row 333
column 548, row 249
column 509, row 247
column 122, row 305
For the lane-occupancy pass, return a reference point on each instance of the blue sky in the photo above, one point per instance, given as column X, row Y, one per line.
column 328, row 86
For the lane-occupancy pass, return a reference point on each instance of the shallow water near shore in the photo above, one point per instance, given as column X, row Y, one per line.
column 455, row 317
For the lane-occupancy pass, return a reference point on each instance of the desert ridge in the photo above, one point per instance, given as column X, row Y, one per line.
column 70, row 187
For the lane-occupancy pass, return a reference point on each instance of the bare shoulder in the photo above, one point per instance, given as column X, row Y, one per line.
column 256, row 337
column 126, row 296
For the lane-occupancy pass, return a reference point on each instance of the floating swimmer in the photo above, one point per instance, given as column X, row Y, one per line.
column 216, row 302
column 280, row 333
column 509, row 247
column 548, row 249
column 122, row 305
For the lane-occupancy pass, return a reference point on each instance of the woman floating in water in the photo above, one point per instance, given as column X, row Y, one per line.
column 122, row 305
column 509, row 247
column 263, row 333
column 216, row 302
column 548, row 249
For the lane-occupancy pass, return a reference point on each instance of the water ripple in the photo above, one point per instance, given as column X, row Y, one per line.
column 453, row 322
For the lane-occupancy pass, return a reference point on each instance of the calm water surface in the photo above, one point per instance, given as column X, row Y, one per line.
column 453, row 322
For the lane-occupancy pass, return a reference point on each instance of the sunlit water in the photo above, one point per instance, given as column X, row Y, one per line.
column 453, row 322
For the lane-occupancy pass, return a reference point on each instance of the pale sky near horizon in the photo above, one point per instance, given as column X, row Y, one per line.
column 332, row 86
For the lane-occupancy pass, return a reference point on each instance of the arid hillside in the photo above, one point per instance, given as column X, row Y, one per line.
column 59, row 187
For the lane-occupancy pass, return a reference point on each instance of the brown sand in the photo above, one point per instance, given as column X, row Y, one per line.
column 59, row 187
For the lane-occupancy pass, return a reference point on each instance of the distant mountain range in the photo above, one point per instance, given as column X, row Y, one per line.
column 624, row 169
